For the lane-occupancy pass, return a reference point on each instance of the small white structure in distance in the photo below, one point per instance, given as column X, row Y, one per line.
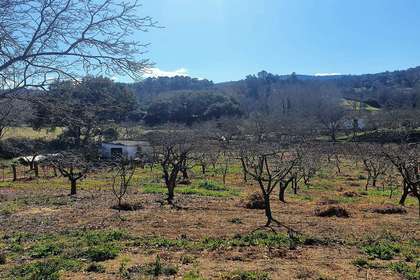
column 127, row 149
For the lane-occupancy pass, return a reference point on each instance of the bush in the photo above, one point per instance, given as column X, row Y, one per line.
column 255, row 201
column 389, row 209
column 332, row 211
column 2, row 259
column 103, row 252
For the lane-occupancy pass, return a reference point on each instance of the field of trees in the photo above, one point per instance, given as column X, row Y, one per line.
column 270, row 177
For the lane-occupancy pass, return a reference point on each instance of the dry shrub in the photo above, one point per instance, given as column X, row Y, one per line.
column 389, row 209
column 255, row 201
column 332, row 211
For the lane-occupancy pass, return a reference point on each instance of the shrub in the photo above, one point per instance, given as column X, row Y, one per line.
column 389, row 209
column 332, row 211
column 255, row 201
column 103, row 252
column 2, row 259
column 246, row 275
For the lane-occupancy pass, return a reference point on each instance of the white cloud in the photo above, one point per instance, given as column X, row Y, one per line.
column 156, row 72
column 327, row 74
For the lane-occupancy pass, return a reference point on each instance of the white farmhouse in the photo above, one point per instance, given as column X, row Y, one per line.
column 127, row 149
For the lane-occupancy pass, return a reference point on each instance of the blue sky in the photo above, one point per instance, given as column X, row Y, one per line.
column 226, row 40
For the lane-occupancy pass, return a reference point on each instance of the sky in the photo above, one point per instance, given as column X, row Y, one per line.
column 224, row 40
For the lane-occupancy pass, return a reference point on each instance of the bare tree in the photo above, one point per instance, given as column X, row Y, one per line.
column 73, row 167
column 43, row 40
column 268, row 166
column 406, row 159
column 331, row 115
column 172, row 149
column 374, row 162
column 121, row 179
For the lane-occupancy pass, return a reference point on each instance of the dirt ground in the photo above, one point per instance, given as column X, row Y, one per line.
column 40, row 210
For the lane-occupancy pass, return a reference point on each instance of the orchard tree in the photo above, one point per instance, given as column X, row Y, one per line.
column 406, row 159
column 375, row 163
column 44, row 40
column 172, row 148
column 72, row 166
column 121, row 179
column 268, row 165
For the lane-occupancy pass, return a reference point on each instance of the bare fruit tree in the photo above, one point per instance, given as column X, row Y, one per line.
column 172, row 149
column 406, row 159
column 121, row 180
column 268, row 166
column 374, row 162
column 71, row 166
column 44, row 40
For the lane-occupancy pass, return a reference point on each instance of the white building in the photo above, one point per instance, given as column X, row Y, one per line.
column 126, row 149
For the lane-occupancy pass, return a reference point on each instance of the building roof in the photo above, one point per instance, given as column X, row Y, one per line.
column 129, row 143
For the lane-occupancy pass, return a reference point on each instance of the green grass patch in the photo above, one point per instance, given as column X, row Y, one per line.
column 201, row 189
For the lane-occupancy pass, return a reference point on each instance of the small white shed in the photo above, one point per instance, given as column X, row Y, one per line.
column 126, row 148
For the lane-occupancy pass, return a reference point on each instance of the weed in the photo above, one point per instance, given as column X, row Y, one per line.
column 383, row 249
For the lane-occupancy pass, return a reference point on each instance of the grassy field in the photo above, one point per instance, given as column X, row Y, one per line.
column 45, row 234
column 29, row 133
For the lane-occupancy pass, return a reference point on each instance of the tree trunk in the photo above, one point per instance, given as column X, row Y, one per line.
column 268, row 213
column 282, row 193
column 36, row 169
column 171, row 192
column 404, row 195
column 14, row 173
column 295, row 186
column 73, row 189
